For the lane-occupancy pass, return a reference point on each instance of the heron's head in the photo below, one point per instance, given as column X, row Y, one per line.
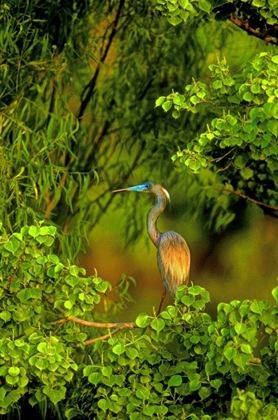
column 148, row 187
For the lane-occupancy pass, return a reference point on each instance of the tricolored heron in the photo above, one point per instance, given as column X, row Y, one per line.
column 173, row 255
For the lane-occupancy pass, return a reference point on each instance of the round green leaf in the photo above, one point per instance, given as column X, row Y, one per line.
column 14, row 371
column 160, row 101
column 118, row 349
column 142, row 320
column 158, row 324
column 175, row 380
column 275, row 293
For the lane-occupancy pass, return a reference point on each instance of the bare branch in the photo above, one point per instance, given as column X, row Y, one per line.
column 251, row 31
column 245, row 197
column 92, row 324
column 89, row 88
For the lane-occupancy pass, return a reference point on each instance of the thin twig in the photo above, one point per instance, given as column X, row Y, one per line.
column 245, row 197
column 117, row 325
column 103, row 337
column 92, row 324
column 90, row 87
column 247, row 28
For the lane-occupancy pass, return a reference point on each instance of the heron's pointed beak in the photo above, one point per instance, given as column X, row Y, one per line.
column 122, row 190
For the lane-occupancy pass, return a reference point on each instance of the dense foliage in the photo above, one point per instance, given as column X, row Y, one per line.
column 181, row 364
column 256, row 17
column 240, row 145
column 72, row 78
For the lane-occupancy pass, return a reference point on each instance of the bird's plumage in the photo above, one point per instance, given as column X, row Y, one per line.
column 173, row 260
column 173, row 255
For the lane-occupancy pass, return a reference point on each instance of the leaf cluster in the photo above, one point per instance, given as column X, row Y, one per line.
column 188, row 366
column 260, row 15
column 240, row 144
column 178, row 365
column 34, row 285
column 78, row 83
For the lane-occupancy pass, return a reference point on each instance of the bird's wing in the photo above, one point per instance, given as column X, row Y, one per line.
column 173, row 258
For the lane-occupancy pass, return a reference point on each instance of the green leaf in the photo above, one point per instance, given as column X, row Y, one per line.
column 194, row 384
column 246, row 348
column 167, row 105
column 142, row 320
column 160, row 101
column 106, row 371
column 178, row 100
column 188, row 300
column 271, row 110
column 241, row 360
column 158, row 324
column 118, row 349
column 71, row 413
column 216, row 383
column 195, row 290
column 183, row 3
column 131, row 353
column 12, row 245
column 95, row 377
column 241, row 161
column 142, row 393
column 68, row 304
column 204, row 5
column 247, row 173
column 34, row 231
column 272, row 126
column 174, row 20
column 204, row 392
column 275, row 293
column 175, row 114
column 55, row 395
column 274, row 58
column 43, row 347
column 5, row 315
column 175, row 380
column 248, row 96
column 24, row 295
column 217, row 84
column 249, row 334
column 14, row 371
column 11, row 380
column 2, row 393
column 240, row 328
column 104, row 404
column 149, row 410
column 257, row 307
column 229, row 353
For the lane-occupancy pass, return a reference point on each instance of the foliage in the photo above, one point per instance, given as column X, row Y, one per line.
column 181, row 364
column 71, row 78
column 240, row 145
column 257, row 17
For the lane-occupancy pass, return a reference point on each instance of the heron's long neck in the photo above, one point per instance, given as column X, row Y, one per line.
column 153, row 215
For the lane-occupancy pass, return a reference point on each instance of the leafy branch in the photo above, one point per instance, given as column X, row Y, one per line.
column 245, row 197
column 245, row 25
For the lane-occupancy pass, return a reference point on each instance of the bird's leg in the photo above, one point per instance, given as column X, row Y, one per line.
column 162, row 299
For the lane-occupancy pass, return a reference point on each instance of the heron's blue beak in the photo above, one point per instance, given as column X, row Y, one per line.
column 138, row 188
column 122, row 190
